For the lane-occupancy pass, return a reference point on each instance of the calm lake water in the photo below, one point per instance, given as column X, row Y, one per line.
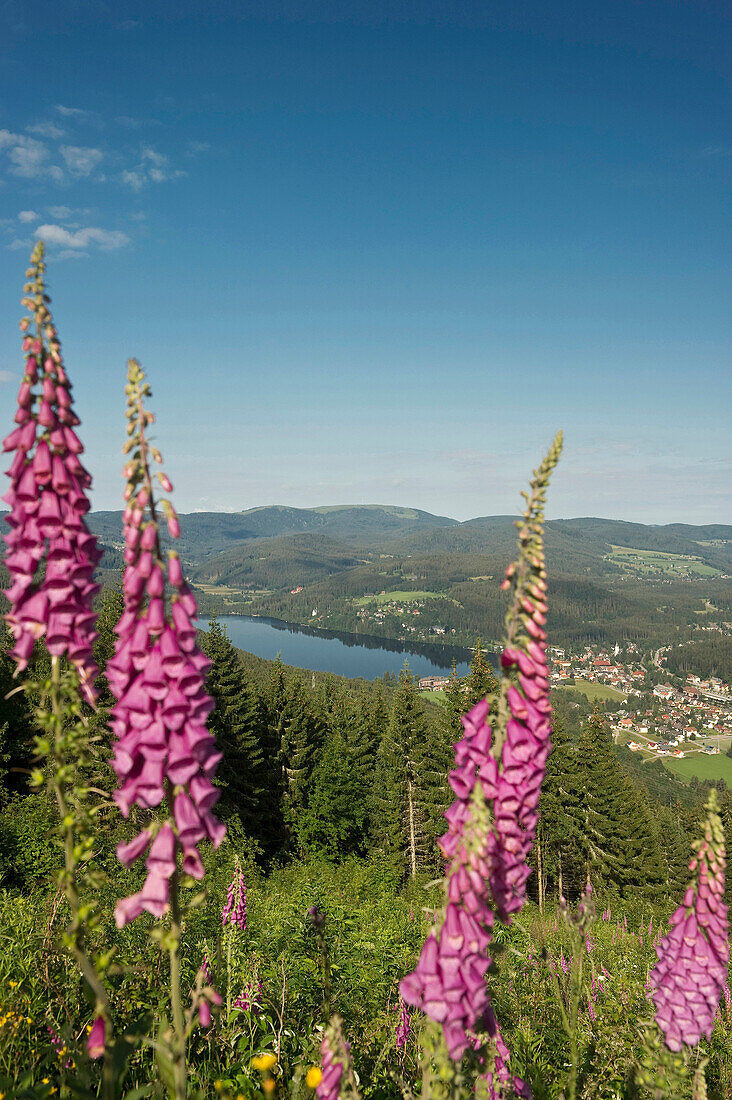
column 349, row 655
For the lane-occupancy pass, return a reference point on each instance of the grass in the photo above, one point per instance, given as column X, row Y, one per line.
column 649, row 561
column 227, row 592
column 400, row 597
column 594, row 692
column 434, row 697
column 702, row 766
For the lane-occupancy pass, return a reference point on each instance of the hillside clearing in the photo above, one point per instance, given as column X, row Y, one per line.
column 594, row 692
column 702, row 766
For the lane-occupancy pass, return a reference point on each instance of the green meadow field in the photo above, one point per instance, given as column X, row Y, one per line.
column 702, row 766
column 594, row 692
column 647, row 561
column 400, row 597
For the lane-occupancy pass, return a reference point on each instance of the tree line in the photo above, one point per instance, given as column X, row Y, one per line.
column 317, row 766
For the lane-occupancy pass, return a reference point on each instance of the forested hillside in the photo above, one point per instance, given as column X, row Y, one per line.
column 611, row 582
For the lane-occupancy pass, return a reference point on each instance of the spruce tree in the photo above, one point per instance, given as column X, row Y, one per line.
column 410, row 786
column 336, row 818
column 294, row 735
column 560, row 854
column 464, row 692
column 237, row 723
column 675, row 844
column 482, row 679
column 622, row 843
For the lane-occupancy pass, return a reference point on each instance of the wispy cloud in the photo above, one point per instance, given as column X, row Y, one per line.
column 81, row 160
column 716, row 151
column 28, row 157
column 6, row 376
column 153, row 167
column 80, row 239
column 46, row 129
column 40, row 153
column 27, row 216
column 74, row 112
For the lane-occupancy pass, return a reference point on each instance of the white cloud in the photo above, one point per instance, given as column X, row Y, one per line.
column 106, row 239
column 158, row 159
column 6, row 376
column 135, row 180
column 18, row 244
column 154, row 167
column 46, row 129
column 27, row 155
column 27, row 216
column 72, row 112
column 61, row 213
column 80, row 159
column 196, row 148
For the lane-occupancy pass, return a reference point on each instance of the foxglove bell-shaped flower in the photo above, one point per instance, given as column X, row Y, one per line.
column 47, row 500
column 96, row 1039
column 691, row 972
column 162, row 747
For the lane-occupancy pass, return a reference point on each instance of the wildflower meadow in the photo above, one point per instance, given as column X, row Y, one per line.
column 187, row 910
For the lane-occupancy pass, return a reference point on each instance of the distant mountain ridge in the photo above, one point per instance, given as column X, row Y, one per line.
column 207, row 533
column 585, row 541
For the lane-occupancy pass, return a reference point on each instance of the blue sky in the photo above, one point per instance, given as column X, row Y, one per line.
column 380, row 251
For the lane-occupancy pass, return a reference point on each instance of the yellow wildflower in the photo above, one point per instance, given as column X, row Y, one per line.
column 313, row 1077
column 13, row 985
column 269, row 1084
column 264, row 1062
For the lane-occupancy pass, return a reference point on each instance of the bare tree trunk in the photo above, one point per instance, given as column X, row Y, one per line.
column 559, row 880
column 540, row 870
column 412, row 842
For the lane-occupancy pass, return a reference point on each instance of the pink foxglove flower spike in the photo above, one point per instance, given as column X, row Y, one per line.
column 691, row 972
column 235, row 910
column 162, row 747
column 48, row 502
column 493, row 820
column 338, row 1078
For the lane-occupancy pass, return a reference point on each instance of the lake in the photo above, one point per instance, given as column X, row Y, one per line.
column 350, row 655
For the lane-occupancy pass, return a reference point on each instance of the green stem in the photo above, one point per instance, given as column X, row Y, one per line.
column 78, row 950
column 576, row 994
column 228, row 935
column 179, row 1034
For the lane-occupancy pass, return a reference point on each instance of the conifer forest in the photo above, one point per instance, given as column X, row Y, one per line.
column 226, row 877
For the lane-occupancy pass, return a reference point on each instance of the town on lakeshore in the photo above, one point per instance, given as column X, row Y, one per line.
column 649, row 710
